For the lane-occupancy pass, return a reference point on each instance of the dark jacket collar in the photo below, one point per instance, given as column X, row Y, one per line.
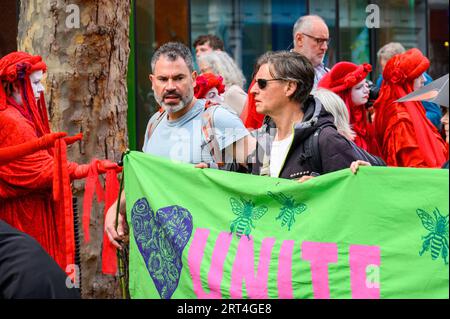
column 315, row 115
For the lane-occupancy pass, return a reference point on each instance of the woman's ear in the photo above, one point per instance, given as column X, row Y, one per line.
column 290, row 88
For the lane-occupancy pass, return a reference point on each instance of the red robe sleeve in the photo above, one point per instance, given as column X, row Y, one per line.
column 27, row 173
column 11, row 153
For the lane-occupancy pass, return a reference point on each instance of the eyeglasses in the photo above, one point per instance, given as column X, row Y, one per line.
column 319, row 41
column 262, row 83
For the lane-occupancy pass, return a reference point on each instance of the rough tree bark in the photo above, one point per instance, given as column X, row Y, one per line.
column 86, row 92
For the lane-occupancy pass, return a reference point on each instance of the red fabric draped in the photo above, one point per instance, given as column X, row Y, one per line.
column 109, row 195
column 17, row 67
column 407, row 138
column 35, row 193
column 344, row 76
column 92, row 186
column 340, row 80
column 11, row 153
column 109, row 252
column 62, row 196
column 26, row 185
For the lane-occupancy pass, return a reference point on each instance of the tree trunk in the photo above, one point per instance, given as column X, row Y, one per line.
column 86, row 91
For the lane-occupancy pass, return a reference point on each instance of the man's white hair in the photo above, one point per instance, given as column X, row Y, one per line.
column 304, row 23
column 334, row 105
column 222, row 64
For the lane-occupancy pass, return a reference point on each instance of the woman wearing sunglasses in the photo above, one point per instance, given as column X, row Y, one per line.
column 283, row 83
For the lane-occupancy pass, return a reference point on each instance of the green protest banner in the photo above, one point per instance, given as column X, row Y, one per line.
column 205, row 233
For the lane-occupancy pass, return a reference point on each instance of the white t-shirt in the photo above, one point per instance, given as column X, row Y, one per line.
column 278, row 155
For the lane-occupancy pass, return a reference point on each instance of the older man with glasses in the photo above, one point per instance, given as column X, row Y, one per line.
column 311, row 38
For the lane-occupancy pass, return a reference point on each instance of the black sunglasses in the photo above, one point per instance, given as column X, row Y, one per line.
column 262, row 83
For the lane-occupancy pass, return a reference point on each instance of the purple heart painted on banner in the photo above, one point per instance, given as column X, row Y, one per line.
column 161, row 239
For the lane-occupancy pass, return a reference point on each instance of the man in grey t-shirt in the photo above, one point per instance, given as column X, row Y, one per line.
column 182, row 139
column 177, row 134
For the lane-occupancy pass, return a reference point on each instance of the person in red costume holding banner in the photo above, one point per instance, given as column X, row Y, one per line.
column 35, row 193
column 348, row 80
column 405, row 136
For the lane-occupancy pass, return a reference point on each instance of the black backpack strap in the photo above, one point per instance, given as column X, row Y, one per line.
column 364, row 155
column 153, row 122
column 311, row 151
column 208, row 131
column 316, row 158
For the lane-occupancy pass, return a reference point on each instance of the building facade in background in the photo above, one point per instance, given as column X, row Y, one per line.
column 251, row 27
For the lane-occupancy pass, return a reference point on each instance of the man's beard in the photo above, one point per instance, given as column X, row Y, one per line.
column 174, row 108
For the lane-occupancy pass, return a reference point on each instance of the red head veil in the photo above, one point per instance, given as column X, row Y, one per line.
column 17, row 67
column 206, row 82
column 342, row 77
column 398, row 80
column 340, row 80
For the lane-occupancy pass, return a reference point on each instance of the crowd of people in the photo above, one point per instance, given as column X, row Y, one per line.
column 298, row 120
column 303, row 119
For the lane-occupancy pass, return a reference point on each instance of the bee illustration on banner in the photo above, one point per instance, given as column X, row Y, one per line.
column 247, row 212
column 288, row 209
column 437, row 240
